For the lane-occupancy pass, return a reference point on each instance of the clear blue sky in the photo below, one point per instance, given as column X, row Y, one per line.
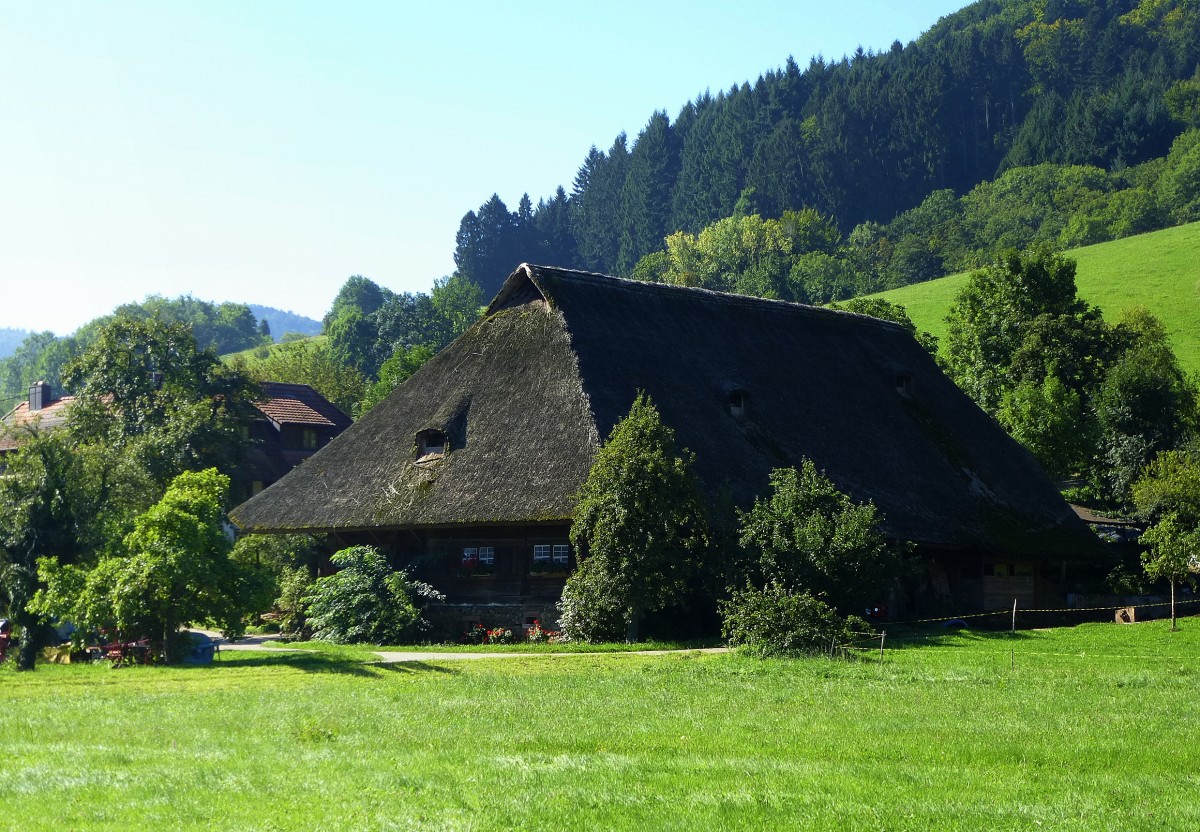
column 263, row 152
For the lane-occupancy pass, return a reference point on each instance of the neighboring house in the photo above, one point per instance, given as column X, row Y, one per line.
column 468, row 471
column 296, row 421
column 1119, row 530
column 41, row 411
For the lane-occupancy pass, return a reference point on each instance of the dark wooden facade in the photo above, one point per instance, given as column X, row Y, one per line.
column 494, row 575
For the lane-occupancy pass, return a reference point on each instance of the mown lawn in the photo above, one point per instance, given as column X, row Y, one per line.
column 1086, row 728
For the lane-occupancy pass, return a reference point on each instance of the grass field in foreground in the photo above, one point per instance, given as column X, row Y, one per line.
column 1160, row 271
column 1085, row 728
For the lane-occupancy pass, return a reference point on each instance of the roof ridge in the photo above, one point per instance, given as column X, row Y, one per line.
column 287, row 384
column 726, row 298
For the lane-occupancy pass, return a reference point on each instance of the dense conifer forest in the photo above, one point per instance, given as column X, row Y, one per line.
column 1045, row 105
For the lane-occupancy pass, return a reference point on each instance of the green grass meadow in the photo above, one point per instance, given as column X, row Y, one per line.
column 251, row 357
column 1160, row 271
column 1090, row 728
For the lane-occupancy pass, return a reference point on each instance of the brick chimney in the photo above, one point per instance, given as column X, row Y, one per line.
column 40, row 396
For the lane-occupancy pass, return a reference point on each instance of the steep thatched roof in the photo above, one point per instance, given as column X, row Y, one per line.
column 526, row 394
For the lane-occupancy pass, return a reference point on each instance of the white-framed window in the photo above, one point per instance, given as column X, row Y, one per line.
column 487, row 555
column 308, row 439
column 470, row 553
column 541, row 553
column 562, row 554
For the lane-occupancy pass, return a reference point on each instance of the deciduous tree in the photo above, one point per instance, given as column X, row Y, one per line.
column 809, row 536
column 175, row 570
column 1173, row 554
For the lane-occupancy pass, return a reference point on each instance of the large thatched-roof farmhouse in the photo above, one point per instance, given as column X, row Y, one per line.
column 468, row 470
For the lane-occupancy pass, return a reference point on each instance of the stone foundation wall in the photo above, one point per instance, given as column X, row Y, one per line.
column 451, row 621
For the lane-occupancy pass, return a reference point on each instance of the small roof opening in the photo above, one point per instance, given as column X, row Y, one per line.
column 737, row 402
column 431, row 444
column 905, row 385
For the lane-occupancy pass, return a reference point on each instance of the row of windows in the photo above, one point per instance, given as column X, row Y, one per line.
column 559, row 554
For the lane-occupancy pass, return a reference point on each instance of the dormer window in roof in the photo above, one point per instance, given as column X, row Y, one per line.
column 431, row 445
column 737, row 402
column 905, row 385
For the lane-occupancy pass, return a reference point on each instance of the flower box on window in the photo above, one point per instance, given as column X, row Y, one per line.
column 477, row 562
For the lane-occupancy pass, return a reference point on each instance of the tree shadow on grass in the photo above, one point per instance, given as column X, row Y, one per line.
column 311, row 662
column 952, row 637
column 412, row 667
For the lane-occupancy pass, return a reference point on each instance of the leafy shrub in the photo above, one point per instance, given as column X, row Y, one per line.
column 1125, row 581
column 269, row 557
column 366, row 601
column 810, row 536
column 591, row 608
column 294, row 584
column 777, row 621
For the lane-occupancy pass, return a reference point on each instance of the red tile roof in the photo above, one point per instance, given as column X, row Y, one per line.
column 49, row 417
column 299, row 404
column 294, row 404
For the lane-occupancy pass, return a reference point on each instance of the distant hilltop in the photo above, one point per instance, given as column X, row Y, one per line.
column 10, row 339
column 282, row 322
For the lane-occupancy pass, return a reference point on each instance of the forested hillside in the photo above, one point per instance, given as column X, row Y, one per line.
column 998, row 86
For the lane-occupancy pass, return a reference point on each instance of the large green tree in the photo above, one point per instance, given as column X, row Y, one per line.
column 58, row 498
column 639, row 527
column 1029, row 351
column 174, row 570
column 1023, row 299
column 358, row 293
column 143, row 387
column 1145, row 405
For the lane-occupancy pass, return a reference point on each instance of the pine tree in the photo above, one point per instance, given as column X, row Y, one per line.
column 639, row 527
column 645, row 197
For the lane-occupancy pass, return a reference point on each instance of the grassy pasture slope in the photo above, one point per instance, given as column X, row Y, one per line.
column 249, row 355
column 1160, row 271
column 1094, row 729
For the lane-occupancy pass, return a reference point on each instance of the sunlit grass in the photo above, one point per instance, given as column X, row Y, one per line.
column 1083, row 728
column 1160, row 271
